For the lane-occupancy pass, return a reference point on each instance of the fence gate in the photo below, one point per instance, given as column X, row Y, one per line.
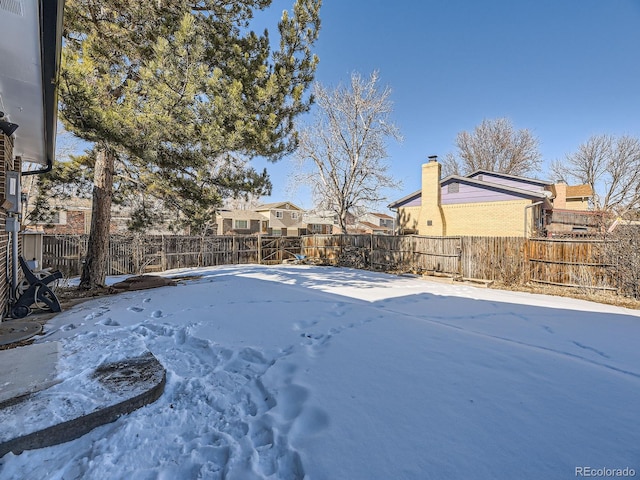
column 273, row 250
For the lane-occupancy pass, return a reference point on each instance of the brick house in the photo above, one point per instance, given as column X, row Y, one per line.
column 29, row 65
column 74, row 218
column 483, row 203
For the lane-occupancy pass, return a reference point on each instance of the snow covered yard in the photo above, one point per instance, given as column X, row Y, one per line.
column 292, row 372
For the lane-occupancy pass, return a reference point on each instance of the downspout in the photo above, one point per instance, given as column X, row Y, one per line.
column 46, row 169
column 525, row 215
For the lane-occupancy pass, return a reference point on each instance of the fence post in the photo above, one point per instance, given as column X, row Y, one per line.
column 163, row 254
column 525, row 261
column 460, row 265
column 234, row 250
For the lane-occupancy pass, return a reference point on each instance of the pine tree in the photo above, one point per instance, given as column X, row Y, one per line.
column 177, row 97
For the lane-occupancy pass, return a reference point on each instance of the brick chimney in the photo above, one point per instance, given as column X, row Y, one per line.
column 560, row 200
column 431, row 220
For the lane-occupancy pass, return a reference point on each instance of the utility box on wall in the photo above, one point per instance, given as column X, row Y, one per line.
column 12, row 191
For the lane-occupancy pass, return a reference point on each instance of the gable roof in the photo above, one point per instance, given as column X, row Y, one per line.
column 579, row 191
column 241, row 215
column 405, row 199
column 479, row 183
column 382, row 215
column 494, row 186
column 277, row 205
column 373, row 226
column 317, row 220
column 534, row 181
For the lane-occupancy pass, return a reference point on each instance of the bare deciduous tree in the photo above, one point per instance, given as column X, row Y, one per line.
column 341, row 155
column 497, row 146
column 611, row 165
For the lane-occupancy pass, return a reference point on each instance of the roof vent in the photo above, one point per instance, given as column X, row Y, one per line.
column 12, row 6
column 433, row 158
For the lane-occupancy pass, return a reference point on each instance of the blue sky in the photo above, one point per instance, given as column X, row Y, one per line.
column 565, row 69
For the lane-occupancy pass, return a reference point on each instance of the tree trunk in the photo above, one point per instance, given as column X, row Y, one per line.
column 94, row 270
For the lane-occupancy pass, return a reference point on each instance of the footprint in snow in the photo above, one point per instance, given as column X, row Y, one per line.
column 310, row 422
column 156, row 314
column 109, row 322
column 135, row 309
column 302, row 324
column 93, row 315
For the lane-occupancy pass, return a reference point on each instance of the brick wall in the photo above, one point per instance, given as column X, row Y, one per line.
column 6, row 163
column 431, row 220
column 75, row 224
column 490, row 219
column 407, row 218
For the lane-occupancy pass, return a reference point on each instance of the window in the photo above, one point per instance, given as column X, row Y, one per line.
column 279, row 214
column 276, row 232
column 240, row 224
column 294, row 215
column 453, row 188
column 429, row 223
column 56, row 218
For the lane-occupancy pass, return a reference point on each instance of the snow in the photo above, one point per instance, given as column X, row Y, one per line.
column 291, row 372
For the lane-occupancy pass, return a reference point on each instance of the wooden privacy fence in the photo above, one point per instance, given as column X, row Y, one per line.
column 154, row 253
column 511, row 260
column 570, row 263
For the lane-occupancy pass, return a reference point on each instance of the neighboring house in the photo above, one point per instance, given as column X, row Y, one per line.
column 74, row 218
column 370, row 228
column 483, row 203
column 576, row 197
column 318, row 224
column 284, row 218
column 240, row 222
column 375, row 223
column 279, row 219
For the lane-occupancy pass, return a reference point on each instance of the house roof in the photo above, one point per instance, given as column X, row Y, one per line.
column 494, row 186
column 241, row 215
column 317, row 220
column 277, row 205
column 30, row 60
column 480, row 183
column 382, row 215
column 579, row 191
column 373, row 226
column 405, row 199
column 535, row 181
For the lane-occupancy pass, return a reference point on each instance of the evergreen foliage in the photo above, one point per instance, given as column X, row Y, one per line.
column 181, row 95
column 185, row 94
